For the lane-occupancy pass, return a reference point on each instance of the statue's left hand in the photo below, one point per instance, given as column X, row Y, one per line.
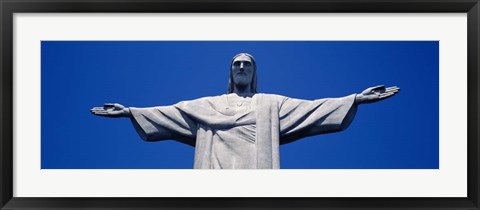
column 377, row 93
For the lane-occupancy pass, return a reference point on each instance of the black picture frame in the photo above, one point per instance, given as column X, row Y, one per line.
column 9, row 7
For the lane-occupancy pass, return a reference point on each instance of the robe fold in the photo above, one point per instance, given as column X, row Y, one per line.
column 221, row 137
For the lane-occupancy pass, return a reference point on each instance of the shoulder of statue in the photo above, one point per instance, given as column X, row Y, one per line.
column 271, row 97
column 197, row 101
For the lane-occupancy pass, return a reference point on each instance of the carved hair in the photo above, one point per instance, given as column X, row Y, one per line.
column 253, row 83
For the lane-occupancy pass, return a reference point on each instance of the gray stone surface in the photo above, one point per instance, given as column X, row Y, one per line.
column 243, row 129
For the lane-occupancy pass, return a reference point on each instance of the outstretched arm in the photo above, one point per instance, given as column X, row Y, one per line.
column 155, row 123
column 375, row 94
column 301, row 118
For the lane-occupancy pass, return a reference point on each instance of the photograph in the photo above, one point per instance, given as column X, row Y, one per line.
column 240, row 105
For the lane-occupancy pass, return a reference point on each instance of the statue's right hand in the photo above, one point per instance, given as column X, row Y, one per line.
column 111, row 110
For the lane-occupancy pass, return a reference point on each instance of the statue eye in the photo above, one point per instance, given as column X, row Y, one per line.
column 248, row 64
column 236, row 63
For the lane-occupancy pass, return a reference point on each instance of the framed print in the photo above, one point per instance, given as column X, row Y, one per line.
column 318, row 67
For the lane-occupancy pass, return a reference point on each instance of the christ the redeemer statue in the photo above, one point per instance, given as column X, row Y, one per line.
column 243, row 129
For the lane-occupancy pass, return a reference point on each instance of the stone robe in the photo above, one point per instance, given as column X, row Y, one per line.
column 272, row 120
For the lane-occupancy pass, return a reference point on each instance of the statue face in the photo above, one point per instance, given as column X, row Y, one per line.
column 242, row 70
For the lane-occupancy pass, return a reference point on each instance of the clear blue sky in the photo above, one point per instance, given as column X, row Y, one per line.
column 398, row 133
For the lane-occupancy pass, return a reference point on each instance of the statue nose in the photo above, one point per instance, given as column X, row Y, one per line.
column 243, row 65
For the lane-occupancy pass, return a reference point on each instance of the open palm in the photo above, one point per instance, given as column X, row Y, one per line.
column 110, row 110
column 377, row 93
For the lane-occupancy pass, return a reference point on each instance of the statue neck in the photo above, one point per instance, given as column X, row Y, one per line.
column 243, row 90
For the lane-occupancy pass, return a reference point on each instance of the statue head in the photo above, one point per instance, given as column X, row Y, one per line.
column 243, row 72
